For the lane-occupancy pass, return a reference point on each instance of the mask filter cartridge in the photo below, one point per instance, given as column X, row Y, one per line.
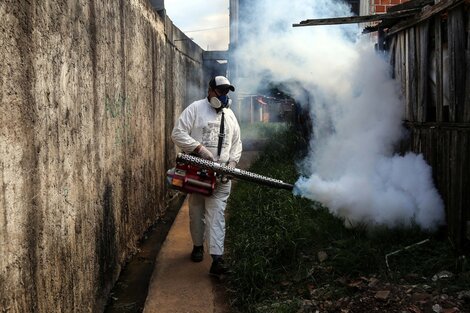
column 221, row 102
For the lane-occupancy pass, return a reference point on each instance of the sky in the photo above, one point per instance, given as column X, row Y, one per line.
column 206, row 22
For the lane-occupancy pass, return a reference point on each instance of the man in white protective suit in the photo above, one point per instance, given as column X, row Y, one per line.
column 197, row 131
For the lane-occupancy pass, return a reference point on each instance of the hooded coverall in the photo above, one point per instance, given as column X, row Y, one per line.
column 200, row 124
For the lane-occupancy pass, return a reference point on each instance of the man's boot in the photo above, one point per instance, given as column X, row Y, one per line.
column 198, row 253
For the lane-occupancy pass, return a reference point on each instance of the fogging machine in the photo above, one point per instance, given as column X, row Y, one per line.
column 196, row 175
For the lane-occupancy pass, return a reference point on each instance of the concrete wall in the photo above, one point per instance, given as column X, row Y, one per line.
column 89, row 91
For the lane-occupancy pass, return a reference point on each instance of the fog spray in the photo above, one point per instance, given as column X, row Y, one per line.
column 356, row 112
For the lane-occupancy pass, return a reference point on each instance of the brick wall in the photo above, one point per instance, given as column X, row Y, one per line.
column 381, row 6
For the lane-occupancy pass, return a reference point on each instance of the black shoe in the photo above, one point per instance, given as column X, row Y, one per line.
column 218, row 268
column 198, row 254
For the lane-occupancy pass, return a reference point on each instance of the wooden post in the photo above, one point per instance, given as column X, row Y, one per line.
column 402, row 69
column 422, row 92
column 439, row 72
column 412, row 74
column 393, row 55
column 456, row 42
column 381, row 39
column 467, row 78
column 406, row 75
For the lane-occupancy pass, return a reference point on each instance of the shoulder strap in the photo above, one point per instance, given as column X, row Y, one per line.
column 221, row 134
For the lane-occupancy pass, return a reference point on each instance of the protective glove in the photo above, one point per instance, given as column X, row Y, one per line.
column 204, row 153
column 232, row 164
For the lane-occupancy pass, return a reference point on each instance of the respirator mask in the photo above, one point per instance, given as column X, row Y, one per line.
column 219, row 102
column 220, row 86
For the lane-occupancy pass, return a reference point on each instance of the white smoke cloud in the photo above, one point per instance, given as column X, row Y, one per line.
column 355, row 109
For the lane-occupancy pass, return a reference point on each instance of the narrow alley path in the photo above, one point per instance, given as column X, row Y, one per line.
column 179, row 285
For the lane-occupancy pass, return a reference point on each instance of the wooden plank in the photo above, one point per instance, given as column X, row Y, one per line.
column 467, row 78
column 412, row 4
column 409, row 5
column 445, row 185
column 463, row 127
column 417, row 90
column 466, row 186
column 446, row 147
column 398, row 59
column 393, row 55
column 434, row 151
column 380, row 39
column 423, row 143
column 356, row 19
column 456, row 42
column 407, row 80
column 439, row 67
column 422, row 92
column 403, row 79
column 440, row 182
column 458, row 187
column 412, row 74
column 424, row 15
column 453, row 190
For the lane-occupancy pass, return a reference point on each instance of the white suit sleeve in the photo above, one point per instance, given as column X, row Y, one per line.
column 181, row 134
column 236, row 148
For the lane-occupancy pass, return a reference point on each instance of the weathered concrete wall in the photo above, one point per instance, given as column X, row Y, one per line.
column 89, row 91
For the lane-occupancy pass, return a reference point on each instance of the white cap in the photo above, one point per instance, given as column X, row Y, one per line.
column 221, row 81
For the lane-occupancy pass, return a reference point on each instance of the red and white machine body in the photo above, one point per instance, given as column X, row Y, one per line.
column 192, row 179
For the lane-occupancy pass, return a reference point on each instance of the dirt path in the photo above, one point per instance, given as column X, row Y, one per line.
column 178, row 284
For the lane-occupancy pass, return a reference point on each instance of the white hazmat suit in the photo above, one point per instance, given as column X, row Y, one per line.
column 200, row 124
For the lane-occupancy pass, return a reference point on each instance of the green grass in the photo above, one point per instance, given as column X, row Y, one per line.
column 259, row 130
column 273, row 239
